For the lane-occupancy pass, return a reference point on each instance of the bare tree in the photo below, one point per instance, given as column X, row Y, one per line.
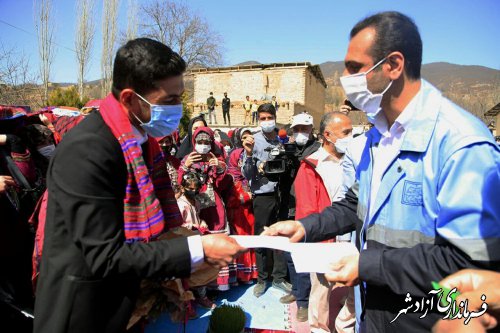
column 132, row 20
column 84, row 38
column 17, row 84
column 45, row 31
column 109, row 15
column 186, row 32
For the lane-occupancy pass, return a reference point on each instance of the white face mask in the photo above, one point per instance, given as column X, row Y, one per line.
column 202, row 149
column 268, row 126
column 301, row 138
column 47, row 151
column 356, row 89
column 341, row 144
column 227, row 149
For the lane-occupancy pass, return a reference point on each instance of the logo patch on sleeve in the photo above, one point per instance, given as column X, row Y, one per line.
column 412, row 193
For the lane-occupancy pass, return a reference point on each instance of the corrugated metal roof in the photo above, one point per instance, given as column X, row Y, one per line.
column 493, row 111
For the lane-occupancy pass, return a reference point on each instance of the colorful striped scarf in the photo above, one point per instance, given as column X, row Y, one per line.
column 150, row 207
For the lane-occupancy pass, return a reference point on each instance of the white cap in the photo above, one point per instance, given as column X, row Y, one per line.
column 302, row 119
column 245, row 129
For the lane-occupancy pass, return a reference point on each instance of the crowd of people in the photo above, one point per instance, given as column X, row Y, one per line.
column 82, row 224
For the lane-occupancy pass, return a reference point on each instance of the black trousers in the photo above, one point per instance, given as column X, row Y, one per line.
column 224, row 114
column 265, row 208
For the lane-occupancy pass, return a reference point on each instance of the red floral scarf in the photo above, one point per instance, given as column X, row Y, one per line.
column 149, row 205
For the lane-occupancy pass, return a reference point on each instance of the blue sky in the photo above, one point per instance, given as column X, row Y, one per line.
column 458, row 31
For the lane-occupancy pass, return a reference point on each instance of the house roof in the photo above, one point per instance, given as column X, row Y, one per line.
column 315, row 69
column 493, row 111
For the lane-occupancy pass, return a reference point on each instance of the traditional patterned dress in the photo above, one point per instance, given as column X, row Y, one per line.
column 240, row 214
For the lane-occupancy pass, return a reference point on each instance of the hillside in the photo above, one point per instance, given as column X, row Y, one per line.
column 475, row 88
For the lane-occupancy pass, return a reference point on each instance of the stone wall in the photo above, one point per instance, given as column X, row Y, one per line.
column 314, row 97
column 289, row 84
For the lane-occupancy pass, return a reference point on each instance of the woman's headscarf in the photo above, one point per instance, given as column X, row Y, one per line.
column 210, row 133
column 238, row 133
column 234, row 166
column 187, row 144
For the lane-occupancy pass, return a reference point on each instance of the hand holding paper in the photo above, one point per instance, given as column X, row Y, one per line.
column 310, row 257
column 345, row 271
column 269, row 242
column 291, row 229
column 321, row 257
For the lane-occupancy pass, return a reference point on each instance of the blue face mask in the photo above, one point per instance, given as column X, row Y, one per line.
column 165, row 119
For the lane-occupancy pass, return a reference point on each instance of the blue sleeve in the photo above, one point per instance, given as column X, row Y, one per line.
column 467, row 226
column 348, row 174
column 469, row 201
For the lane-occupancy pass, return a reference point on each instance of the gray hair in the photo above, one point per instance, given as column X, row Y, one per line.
column 328, row 118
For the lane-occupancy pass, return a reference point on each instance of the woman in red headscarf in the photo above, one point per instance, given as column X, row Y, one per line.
column 207, row 160
column 239, row 207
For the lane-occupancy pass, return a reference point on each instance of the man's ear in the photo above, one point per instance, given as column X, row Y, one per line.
column 127, row 99
column 396, row 61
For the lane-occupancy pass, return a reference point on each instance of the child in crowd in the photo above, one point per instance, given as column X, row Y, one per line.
column 188, row 205
column 190, row 211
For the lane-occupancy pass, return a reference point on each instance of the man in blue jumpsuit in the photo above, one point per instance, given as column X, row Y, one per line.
column 428, row 182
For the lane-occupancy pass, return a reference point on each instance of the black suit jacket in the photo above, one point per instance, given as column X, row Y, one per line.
column 90, row 276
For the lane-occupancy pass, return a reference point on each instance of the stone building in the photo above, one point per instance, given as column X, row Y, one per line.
column 297, row 87
column 494, row 112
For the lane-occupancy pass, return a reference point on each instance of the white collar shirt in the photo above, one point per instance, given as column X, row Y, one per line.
column 389, row 145
column 330, row 170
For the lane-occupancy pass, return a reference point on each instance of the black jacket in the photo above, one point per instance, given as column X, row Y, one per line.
column 226, row 103
column 90, row 276
column 287, row 203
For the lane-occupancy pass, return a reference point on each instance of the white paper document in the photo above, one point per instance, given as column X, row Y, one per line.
column 307, row 257
column 317, row 257
column 269, row 242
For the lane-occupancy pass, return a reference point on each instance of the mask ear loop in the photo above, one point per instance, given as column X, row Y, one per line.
column 376, row 65
column 143, row 99
column 135, row 116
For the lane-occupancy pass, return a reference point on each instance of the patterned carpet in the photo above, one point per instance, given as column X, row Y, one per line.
column 263, row 314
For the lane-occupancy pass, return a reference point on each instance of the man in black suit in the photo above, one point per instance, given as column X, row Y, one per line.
column 90, row 272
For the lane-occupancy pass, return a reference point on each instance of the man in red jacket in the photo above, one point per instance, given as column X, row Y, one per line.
column 317, row 184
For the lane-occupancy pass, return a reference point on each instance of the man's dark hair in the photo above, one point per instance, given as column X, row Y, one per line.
column 211, row 93
column 268, row 107
column 394, row 32
column 142, row 62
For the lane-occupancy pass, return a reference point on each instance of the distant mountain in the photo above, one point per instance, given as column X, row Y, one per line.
column 330, row 67
column 475, row 88
column 95, row 82
column 442, row 74
column 445, row 76
column 460, row 78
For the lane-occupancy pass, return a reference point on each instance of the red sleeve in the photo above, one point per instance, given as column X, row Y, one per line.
column 25, row 165
column 219, row 173
column 176, row 163
column 306, row 191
